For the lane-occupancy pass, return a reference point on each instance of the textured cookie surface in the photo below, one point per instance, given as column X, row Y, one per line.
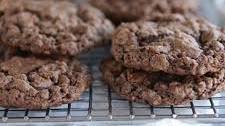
column 131, row 10
column 39, row 83
column 52, row 27
column 177, row 44
column 160, row 88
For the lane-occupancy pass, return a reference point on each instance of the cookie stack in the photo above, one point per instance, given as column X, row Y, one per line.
column 166, row 59
column 38, row 39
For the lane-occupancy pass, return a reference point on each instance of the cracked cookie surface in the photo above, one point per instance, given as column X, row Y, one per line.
column 160, row 88
column 52, row 27
column 176, row 44
column 131, row 10
column 33, row 83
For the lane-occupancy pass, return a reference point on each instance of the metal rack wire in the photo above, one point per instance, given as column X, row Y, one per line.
column 99, row 103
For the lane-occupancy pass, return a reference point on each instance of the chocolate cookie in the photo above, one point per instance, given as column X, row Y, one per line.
column 34, row 83
column 131, row 10
column 178, row 45
column 53, row 27
column 160, row 88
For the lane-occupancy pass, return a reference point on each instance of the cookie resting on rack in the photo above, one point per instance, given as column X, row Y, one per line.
column 34, row 83
column 52, row 27
column 160, row 88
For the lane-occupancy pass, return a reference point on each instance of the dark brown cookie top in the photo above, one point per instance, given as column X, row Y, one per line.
column 180, row 45
column 53, row 27
column 40, row 83
column 160, row 88
column 131, row 10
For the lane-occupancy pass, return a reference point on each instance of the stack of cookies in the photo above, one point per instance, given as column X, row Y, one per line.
column 38, row 39
column 170, row 56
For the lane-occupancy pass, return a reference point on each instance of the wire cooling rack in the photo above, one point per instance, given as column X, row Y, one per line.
column 100, row 103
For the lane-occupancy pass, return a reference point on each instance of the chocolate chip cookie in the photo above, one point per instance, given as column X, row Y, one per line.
column 131, row 10
column 160, row 88
column 178, row 45
column 53, row 27
column 35, row 83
